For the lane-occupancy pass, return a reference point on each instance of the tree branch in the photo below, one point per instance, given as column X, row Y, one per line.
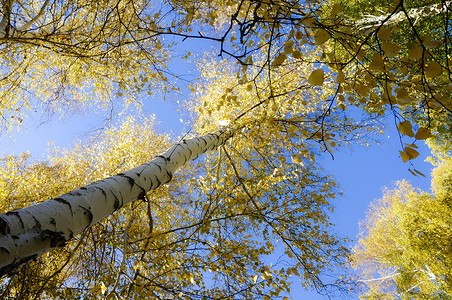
column 6, row 12
column 33, row 20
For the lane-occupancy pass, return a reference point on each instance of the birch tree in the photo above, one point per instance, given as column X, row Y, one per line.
column 32, row 231
column 396, row 61
column 76, row 55
column 302, row 68
column 207, row 234
column 404, row 246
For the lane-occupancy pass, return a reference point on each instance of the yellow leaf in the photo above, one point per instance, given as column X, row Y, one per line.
column 340, row 77
column 390, row 49
column 103, row 288
column 255, row 278
column 296, row 159
column 405, row 128
column 411, row 152
column 308, row 21
column 298, row 35
column 415, row 52
column 296, row 54
column 279, row 59
column 384, row 33
column 449, row 87
column 423, row 133
column 402, row 96
column 428, row 43
column 316, row 77
column 377, row 63
column 321, row 36
column 404, row 156
column 336, row 9
column 433, row 69
column 288, row 46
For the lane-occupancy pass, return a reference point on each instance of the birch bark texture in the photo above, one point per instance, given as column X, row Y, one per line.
column 370, row 21
column 9, row 32
column 30, row 232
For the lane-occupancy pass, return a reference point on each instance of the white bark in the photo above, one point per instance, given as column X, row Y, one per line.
column 29, row 232
column 35, row 18
column 369, row 21
column 6, row 15
column 9, row 32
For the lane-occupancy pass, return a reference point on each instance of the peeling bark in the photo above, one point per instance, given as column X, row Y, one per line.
column 30, row 232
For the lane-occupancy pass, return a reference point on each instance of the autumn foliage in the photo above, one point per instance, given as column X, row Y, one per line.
column 293, row 80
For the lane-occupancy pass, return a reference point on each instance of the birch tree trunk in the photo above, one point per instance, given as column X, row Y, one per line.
column 371, row 21
column 30, row 232
column 9, row 32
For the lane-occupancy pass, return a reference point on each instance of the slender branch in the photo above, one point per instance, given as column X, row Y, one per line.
column 33, row 20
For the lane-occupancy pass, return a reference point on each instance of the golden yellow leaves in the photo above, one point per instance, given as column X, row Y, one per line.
column 99, row 289
column 405, row 128
column 340, row 77
column 415, row 52
column 288, row 46
column 288, row 49
column 335, row 10
column 321, row 36
column 433, row 69
column 408, row 154
column 296, row 54
column 422, row 133
column 279, row 59
column 298, row 35
column 316, row 77
column 390, row 50
column 384, row 33
column 377, row 63
column 296, row 159
column 403, row 97
column 427, row 42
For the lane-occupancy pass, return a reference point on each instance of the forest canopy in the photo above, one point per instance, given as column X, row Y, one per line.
column 279, row 85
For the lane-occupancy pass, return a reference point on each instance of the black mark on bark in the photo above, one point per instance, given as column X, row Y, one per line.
column 3, row 249
column 4, row 227
column 170, row 176
column 88, row 213
column 61, row 200
column 16, row 214
column 117, row 205
column 56, row 238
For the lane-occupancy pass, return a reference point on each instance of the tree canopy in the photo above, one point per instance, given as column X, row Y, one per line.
column 404, row 249
column 292, row 80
